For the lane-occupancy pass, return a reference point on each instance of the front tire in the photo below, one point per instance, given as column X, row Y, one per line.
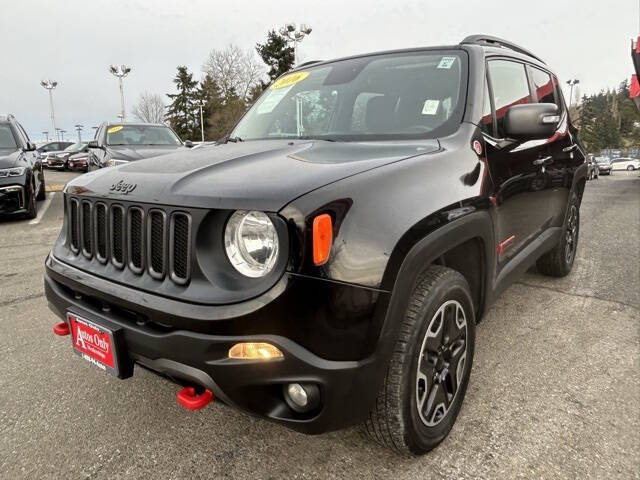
column 630, row 168
column 41, row 192
column 428, row 374
column 32, row 208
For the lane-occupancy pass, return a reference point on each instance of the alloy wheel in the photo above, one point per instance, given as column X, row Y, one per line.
column 441, row 362
column 571, row 234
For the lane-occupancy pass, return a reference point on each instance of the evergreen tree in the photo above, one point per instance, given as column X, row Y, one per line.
column 182, row 113
column 276, row 54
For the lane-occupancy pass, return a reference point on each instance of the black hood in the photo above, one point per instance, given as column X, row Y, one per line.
column 138, row 152
column 9, row 157
column 263, row 175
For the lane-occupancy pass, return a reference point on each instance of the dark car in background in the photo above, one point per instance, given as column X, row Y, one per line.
column 326, row 265
column 79, row 162
column 21, row 174
column 120, row 143
column 59, row 159
column 604, row 165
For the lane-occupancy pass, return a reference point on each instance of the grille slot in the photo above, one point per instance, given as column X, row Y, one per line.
column 85, row 229
column 117, row 236
column 153, row 241
column 101, row 232
column 180, row 247
column 73, row 226
column 156, row 235
column 136, row 239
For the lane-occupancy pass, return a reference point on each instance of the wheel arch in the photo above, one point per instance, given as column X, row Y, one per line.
column 464, row 244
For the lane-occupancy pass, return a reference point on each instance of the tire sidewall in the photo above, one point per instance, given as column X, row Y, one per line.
column 420, row 437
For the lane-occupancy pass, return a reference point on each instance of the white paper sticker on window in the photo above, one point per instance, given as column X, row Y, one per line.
column 446, row 62
column 430, row 107
column 273, row 98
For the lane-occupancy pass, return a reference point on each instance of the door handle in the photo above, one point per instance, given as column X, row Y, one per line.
column 570, row 148
column 543, row 161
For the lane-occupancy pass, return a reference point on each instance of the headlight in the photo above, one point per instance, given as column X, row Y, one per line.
column 112, row 162
column 251, row 242
column 12, row 172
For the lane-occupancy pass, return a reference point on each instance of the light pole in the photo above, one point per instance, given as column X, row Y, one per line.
column 62, row 132
column 201, row 105
column 46, row 134
column 572, row 82
column 79, row 130
column 295, row 33
column 57, row 134
column 50, row 85
column 121, row 72
column 121, row 117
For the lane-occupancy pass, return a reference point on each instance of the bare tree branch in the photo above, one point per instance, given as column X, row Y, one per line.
column 234, row 70
column 150, row 108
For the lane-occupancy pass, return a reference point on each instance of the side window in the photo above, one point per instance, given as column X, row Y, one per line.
column 543, row 86
column 510, row 87
column 486, row 123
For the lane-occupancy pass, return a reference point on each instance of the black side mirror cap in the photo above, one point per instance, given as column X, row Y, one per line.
column 93, row 144
column 188, row 143
column 532, row 121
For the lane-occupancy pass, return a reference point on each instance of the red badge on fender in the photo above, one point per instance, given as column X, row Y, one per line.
column 477, row 147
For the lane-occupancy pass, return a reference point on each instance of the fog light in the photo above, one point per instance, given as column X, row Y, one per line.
column 254, row 351
column 302, row 397
column 297, row 394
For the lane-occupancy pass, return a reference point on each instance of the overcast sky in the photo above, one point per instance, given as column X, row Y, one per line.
column 74, row 41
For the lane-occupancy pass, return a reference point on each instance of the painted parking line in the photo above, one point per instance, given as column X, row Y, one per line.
column 43, row 209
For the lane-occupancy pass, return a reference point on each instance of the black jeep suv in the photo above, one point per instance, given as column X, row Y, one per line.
column 21, row 174
column 327, row 264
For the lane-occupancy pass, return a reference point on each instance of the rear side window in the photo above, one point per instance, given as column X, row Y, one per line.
column 543, row 86
column 510, row 87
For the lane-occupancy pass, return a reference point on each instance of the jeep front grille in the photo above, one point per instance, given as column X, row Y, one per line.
column 152, row 240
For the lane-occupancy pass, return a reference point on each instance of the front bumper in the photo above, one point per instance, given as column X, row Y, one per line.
column 12, row 199
column 348, row 388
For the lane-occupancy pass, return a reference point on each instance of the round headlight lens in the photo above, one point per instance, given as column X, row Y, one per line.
column 251, row 242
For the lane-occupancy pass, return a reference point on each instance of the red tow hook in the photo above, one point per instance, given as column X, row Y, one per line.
column 189, row 399
column 61, row 329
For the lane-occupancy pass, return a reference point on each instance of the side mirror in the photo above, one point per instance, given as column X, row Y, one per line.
column 93, row 144
column 532, row 121
column 30, row 147
column 188, row 143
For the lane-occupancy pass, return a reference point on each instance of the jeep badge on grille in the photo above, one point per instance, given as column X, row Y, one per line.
column 123, row 187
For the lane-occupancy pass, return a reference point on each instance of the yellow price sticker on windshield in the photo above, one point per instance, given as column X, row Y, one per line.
column 289, row 80
column 115, row 129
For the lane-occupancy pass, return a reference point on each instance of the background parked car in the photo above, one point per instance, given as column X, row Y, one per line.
column 53, row 147
column 604, row 165
column 59, row 159
column 118, row 143
column 625, row 163
column 21, row 175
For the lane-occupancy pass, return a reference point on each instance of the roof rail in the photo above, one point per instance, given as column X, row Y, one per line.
column 498, row 42
column 308, row 63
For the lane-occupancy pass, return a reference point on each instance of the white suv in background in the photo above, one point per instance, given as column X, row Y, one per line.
column 625, row 164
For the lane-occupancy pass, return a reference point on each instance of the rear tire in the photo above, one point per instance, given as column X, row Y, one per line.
column 424, row 387
column 559, row 261
column 630, row 168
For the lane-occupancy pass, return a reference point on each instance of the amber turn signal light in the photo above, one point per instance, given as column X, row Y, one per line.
column 254, row 351
column 322, row 238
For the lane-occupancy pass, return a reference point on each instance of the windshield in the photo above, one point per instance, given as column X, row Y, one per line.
column 388, row 96
column 141, row 135
column 76, row 147
column 6, row 137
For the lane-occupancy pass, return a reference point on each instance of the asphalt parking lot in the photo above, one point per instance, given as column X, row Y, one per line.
column 554, row 393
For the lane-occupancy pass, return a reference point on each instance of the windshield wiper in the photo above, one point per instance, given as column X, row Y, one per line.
column 234, row 139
